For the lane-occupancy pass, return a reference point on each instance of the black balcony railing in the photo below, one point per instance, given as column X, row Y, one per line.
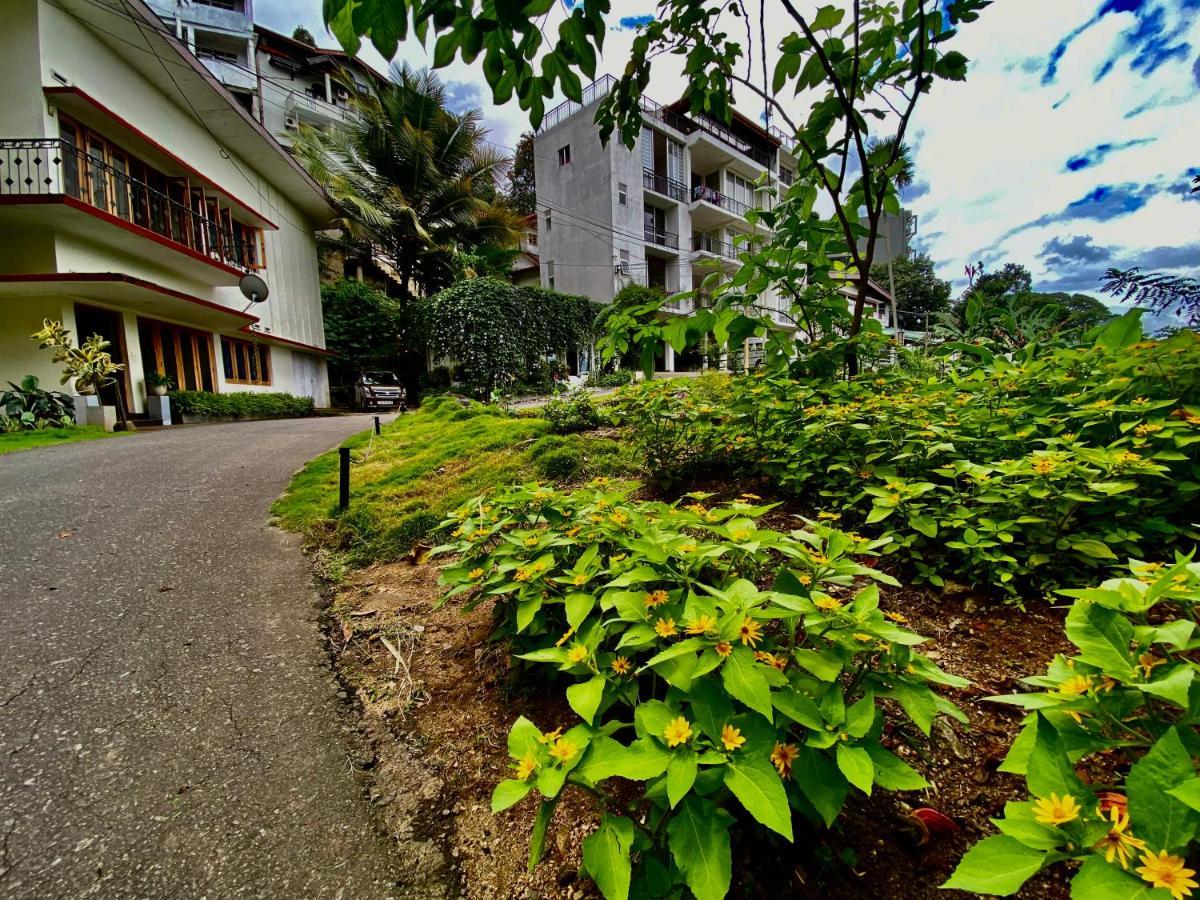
column 716, row 198
column 662, row 237
column 702, row 243
column 51, row 166
column 720, row 132
column 661, row 184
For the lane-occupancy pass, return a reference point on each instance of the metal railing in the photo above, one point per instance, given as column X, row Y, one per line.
column 702, row 243
column 593, row 92
column 716, row 198
column 661, row 184
column 723, row 134
column 661, row 237
column 51, row 166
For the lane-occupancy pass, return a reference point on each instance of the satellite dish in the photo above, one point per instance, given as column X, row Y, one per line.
column 253, row 288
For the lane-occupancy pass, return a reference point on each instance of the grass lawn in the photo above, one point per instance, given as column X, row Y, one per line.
column 27, row 440
column 403, row 483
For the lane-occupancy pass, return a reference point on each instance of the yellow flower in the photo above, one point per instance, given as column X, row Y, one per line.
column 531, row 541
column 1147, row 428
column 750, row 632
column 563, row 750
column 827, row 603
column 1119, row 842
column 748, row 496
column 665, row 628
column 861, row 636
column 475, row 573
column 1147, row 661
column 739, row 534
column 566, row 637
column 580, row 580
column 1166, row 871
column 687, row 547
column 550, row 736
column 1044, row 466
column 656, row 598
column 678, row 732
column 577, row 654
column 522, row 575
column 701, row 624
column 698, row 508
column 526, row 767
column 724, row 649
column 896, row 617
column 783, row 756
column 619, row 518
column 1075, row 685
column 1057, row 810
column 600, row 479
column 571, row 532
column 804, row 578
column 732, row 738
column 621, row 666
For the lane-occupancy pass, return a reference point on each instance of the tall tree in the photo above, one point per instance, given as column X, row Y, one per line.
column 413, row 182
column 522, row 188
column 865, row 59
column 919, row 292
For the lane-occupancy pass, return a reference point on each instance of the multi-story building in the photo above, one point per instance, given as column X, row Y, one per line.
column 221, row 34
column 135, row 193
column 667, row 213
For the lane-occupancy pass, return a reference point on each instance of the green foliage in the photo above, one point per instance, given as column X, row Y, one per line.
column 572, row 457
column 90, row 364
column 1124, row 703
column 918, row 289
column 1011, row 474
column 522, row 189
column 617, row 378
column 27, row 407
column 154, row 379
column 499, row 334
column 23, row 439
column 714, row 693
column 242, row 404
column 413, row 181
column 364, row 328
column 572, row 411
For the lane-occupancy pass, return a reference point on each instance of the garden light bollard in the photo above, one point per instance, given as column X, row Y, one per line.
column 377, row 428
column 343, row 477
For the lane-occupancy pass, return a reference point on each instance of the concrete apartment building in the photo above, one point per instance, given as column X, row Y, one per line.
column 135, row 193
column 667, row 213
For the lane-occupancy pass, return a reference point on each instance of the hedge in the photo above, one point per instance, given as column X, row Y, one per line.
column 242, row 405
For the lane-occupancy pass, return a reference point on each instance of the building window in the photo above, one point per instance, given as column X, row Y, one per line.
column 549, row 222
column 210, row 52
column 624, row 264
column 550, row 274
column 246, row 362
column 786, row 175
column 622, row 193
column 181, row 353
column 564, row 155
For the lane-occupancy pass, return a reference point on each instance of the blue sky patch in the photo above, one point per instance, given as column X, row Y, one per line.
column 1096, row 155
column 631, row 22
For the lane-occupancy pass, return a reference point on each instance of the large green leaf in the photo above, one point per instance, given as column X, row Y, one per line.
column 681, row 774
column 744, row 680
column 640, row 761
column 823, row 785
column 537, row 840
column 509, row 792
column 585, row 697
column 918, row 701
column 698, row 834
column 1100, row 880
column 1122, row 332
column 1102, row 636
column 1188, row 793
column 606, row 856
column 893, row 773
column 1164, row 821
column 798, row 708
column 997, row 865
column 855, row 763
column 753, row 780
column 1048, row 769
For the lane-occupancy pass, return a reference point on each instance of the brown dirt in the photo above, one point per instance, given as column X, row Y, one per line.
column 440, row 716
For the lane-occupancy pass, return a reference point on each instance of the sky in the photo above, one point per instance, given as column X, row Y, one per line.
column 1069, row 148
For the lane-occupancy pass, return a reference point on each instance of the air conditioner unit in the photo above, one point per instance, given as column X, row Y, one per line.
column 291, row 122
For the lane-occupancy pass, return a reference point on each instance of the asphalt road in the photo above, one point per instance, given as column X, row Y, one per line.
column 167, row 725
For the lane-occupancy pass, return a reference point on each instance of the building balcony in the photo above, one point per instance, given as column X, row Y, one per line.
column 226, row 16
column 316, row 110
column 231, row 74
column 713, row 146
column 48, row 183
column 710, row 208
column 666, row 187
column 659, row 237
column 710, row 246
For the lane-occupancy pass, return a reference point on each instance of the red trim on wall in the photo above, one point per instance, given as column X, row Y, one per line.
column 120, row 278
column 262, row 335
column 66, row 200
column 125, row 123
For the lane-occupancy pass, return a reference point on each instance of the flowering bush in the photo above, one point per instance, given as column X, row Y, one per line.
column 1124, row 711
column 1012, row 474
column 724, row 665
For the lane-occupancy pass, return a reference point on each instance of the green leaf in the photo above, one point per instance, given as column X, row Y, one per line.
column 1102, row 636
column 1093, row 549
column 1100, row 880
column 1188, row 792
column 710, row 706
column 523, row 738
column 823, row 784
column 745, row 681
column 798, row 708
column 1164, row 821
column 827, row 18
column 826, row 665
column 918, row 701
column 1122, row 332
column 537, row 840
column 606, row 856
column 681, row 774
column 698, row 834
column 508, row 793
column 1049, row 770
column 855, row 763
column 1175, row 686
column 585, row 697
column 753, row 780
column 997, row 865
column 893, row 773
column 640, row 761
column 578, row 606
column 689, row 645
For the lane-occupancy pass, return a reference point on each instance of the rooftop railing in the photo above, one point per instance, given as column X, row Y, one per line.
column 661, row 184
column 51, row 166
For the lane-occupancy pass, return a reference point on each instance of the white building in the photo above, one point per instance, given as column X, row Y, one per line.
column 667, row 213
column 135, row 192
column 221, row 34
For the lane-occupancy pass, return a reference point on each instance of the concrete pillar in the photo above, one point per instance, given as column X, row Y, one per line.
column 136, row 401
column 668, row 357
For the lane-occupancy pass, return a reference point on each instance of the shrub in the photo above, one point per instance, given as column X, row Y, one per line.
column 619, row 378
column 27, row 406
column 563, row 464
column 1013, row 474
column 689, row 678
column 1124, row 710
column 242, row 405
column 572, row 411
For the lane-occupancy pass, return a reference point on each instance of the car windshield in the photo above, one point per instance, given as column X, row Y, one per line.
column 380, row 378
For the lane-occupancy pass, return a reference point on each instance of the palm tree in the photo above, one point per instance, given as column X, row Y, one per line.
column 413, row 182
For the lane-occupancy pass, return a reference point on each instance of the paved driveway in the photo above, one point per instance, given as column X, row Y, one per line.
column 167, row 727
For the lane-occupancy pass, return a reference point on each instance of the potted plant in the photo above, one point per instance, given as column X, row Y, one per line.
column 90, row 364
column 159, row 383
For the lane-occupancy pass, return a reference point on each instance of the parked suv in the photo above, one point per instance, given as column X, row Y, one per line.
column 378, row 390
